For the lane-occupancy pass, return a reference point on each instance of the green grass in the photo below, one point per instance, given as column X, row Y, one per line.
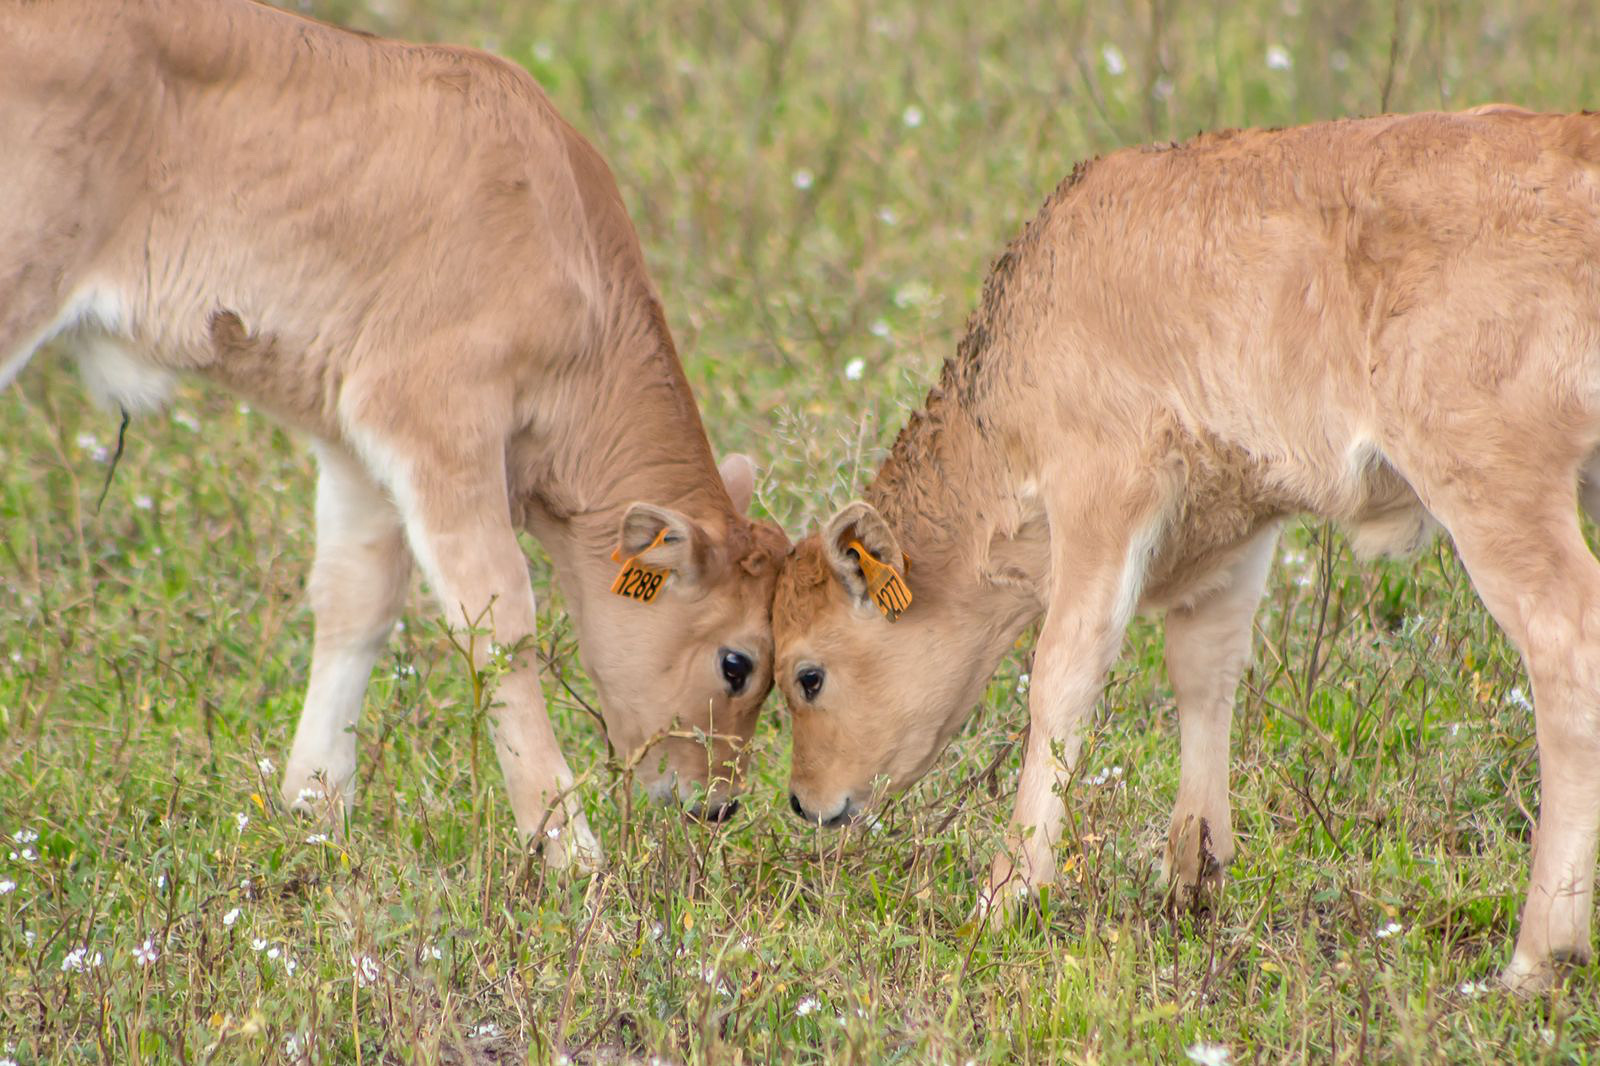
column 815, row 186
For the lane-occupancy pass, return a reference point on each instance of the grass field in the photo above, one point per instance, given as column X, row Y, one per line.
column 820, row 190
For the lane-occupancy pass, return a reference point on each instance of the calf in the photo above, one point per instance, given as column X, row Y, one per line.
column 404, row 253
column 1388, row 322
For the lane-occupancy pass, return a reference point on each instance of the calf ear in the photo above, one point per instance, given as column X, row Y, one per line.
column 879, row 578
column 739, row 476
column 662, row 539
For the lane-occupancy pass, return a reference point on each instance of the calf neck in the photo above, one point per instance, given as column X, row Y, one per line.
column 1391, row 322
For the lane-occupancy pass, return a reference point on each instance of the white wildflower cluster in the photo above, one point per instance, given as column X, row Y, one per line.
column 273, row 952
column 1111, row 56
column 1473, row 989
column 1112, row 774
column 484, row 1029
column 1207, row 1054
column 1519, row 699
column 1392, row 929
column 808, row 1005
column 264, row 764
column 241, row 820
column 87, row 442
column 854, row 369
column 24, row 839
column 7, row 886
column 148, row 952
column 231, row 917
column 1278, row 58
column 79, row 960
column 317, row 838
column 366, row 969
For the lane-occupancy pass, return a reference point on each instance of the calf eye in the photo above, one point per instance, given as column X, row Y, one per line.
column 810, row 682
column 736, row 669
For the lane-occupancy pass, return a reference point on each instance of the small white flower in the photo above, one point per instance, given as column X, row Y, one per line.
column 144, row 503
column 366, row 970
column 24, row 836
column 1304, row 581
column 241, row 820
column 244, row 408
column 1390, row 930
column 1278, row 58
column 911, row 116
column 1116, row 771
column 1207, row 1054
column 1022, row 682
column 29, row 936
column 293, row 1046
column 1519, row 699
column 86, row 442
column 803, row 179
column 887, row 216
column 78, row 960
column 264, row 764
column 553, row 832
column 1547, row 1035
column 161, row 882
column 1111, row 55
column 290, row 966
column 854, row 369
column 7, row 887
column 273, row 952
column 308, row 795
column 317, row 838
column 808, row 1005
column 28, row 855
column 187, row 421
column 484, row 1029
column 258, row 944
column 1474, row 988
column 657, row 930
column 231, row 917
column 147, row 953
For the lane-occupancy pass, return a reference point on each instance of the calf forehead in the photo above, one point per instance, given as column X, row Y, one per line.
column 806, row 590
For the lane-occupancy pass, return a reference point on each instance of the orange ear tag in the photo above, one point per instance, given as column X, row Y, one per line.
column 884, row 583
column 637, row 581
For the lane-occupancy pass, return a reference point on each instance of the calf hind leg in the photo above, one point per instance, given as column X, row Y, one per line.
column 1208, row 647
column 358, row 586
column 1523, row 548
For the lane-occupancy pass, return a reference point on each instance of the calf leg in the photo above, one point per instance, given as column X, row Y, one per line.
column 458, row 519
column 1097, row 571
column 1208, row 647
column 358, row 586
column 1518, row 535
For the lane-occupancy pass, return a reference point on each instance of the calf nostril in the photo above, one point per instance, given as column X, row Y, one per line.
column 794, row 805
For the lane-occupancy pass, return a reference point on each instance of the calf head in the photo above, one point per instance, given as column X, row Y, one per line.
column 878, row 668
column 680, row 645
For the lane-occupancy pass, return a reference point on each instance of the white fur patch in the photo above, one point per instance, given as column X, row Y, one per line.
column 117, row 378
column 1136, row 565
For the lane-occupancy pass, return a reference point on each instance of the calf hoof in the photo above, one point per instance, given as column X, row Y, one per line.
column 310, row 797
column 1005, row 895
column 571, row 847
column 1192, row 869
column 1528, row 976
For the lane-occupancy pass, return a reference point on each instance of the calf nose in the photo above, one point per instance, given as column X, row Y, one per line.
column 719, row 813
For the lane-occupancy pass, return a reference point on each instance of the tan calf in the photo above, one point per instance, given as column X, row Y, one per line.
column 1385, row 322
column 406, row 254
